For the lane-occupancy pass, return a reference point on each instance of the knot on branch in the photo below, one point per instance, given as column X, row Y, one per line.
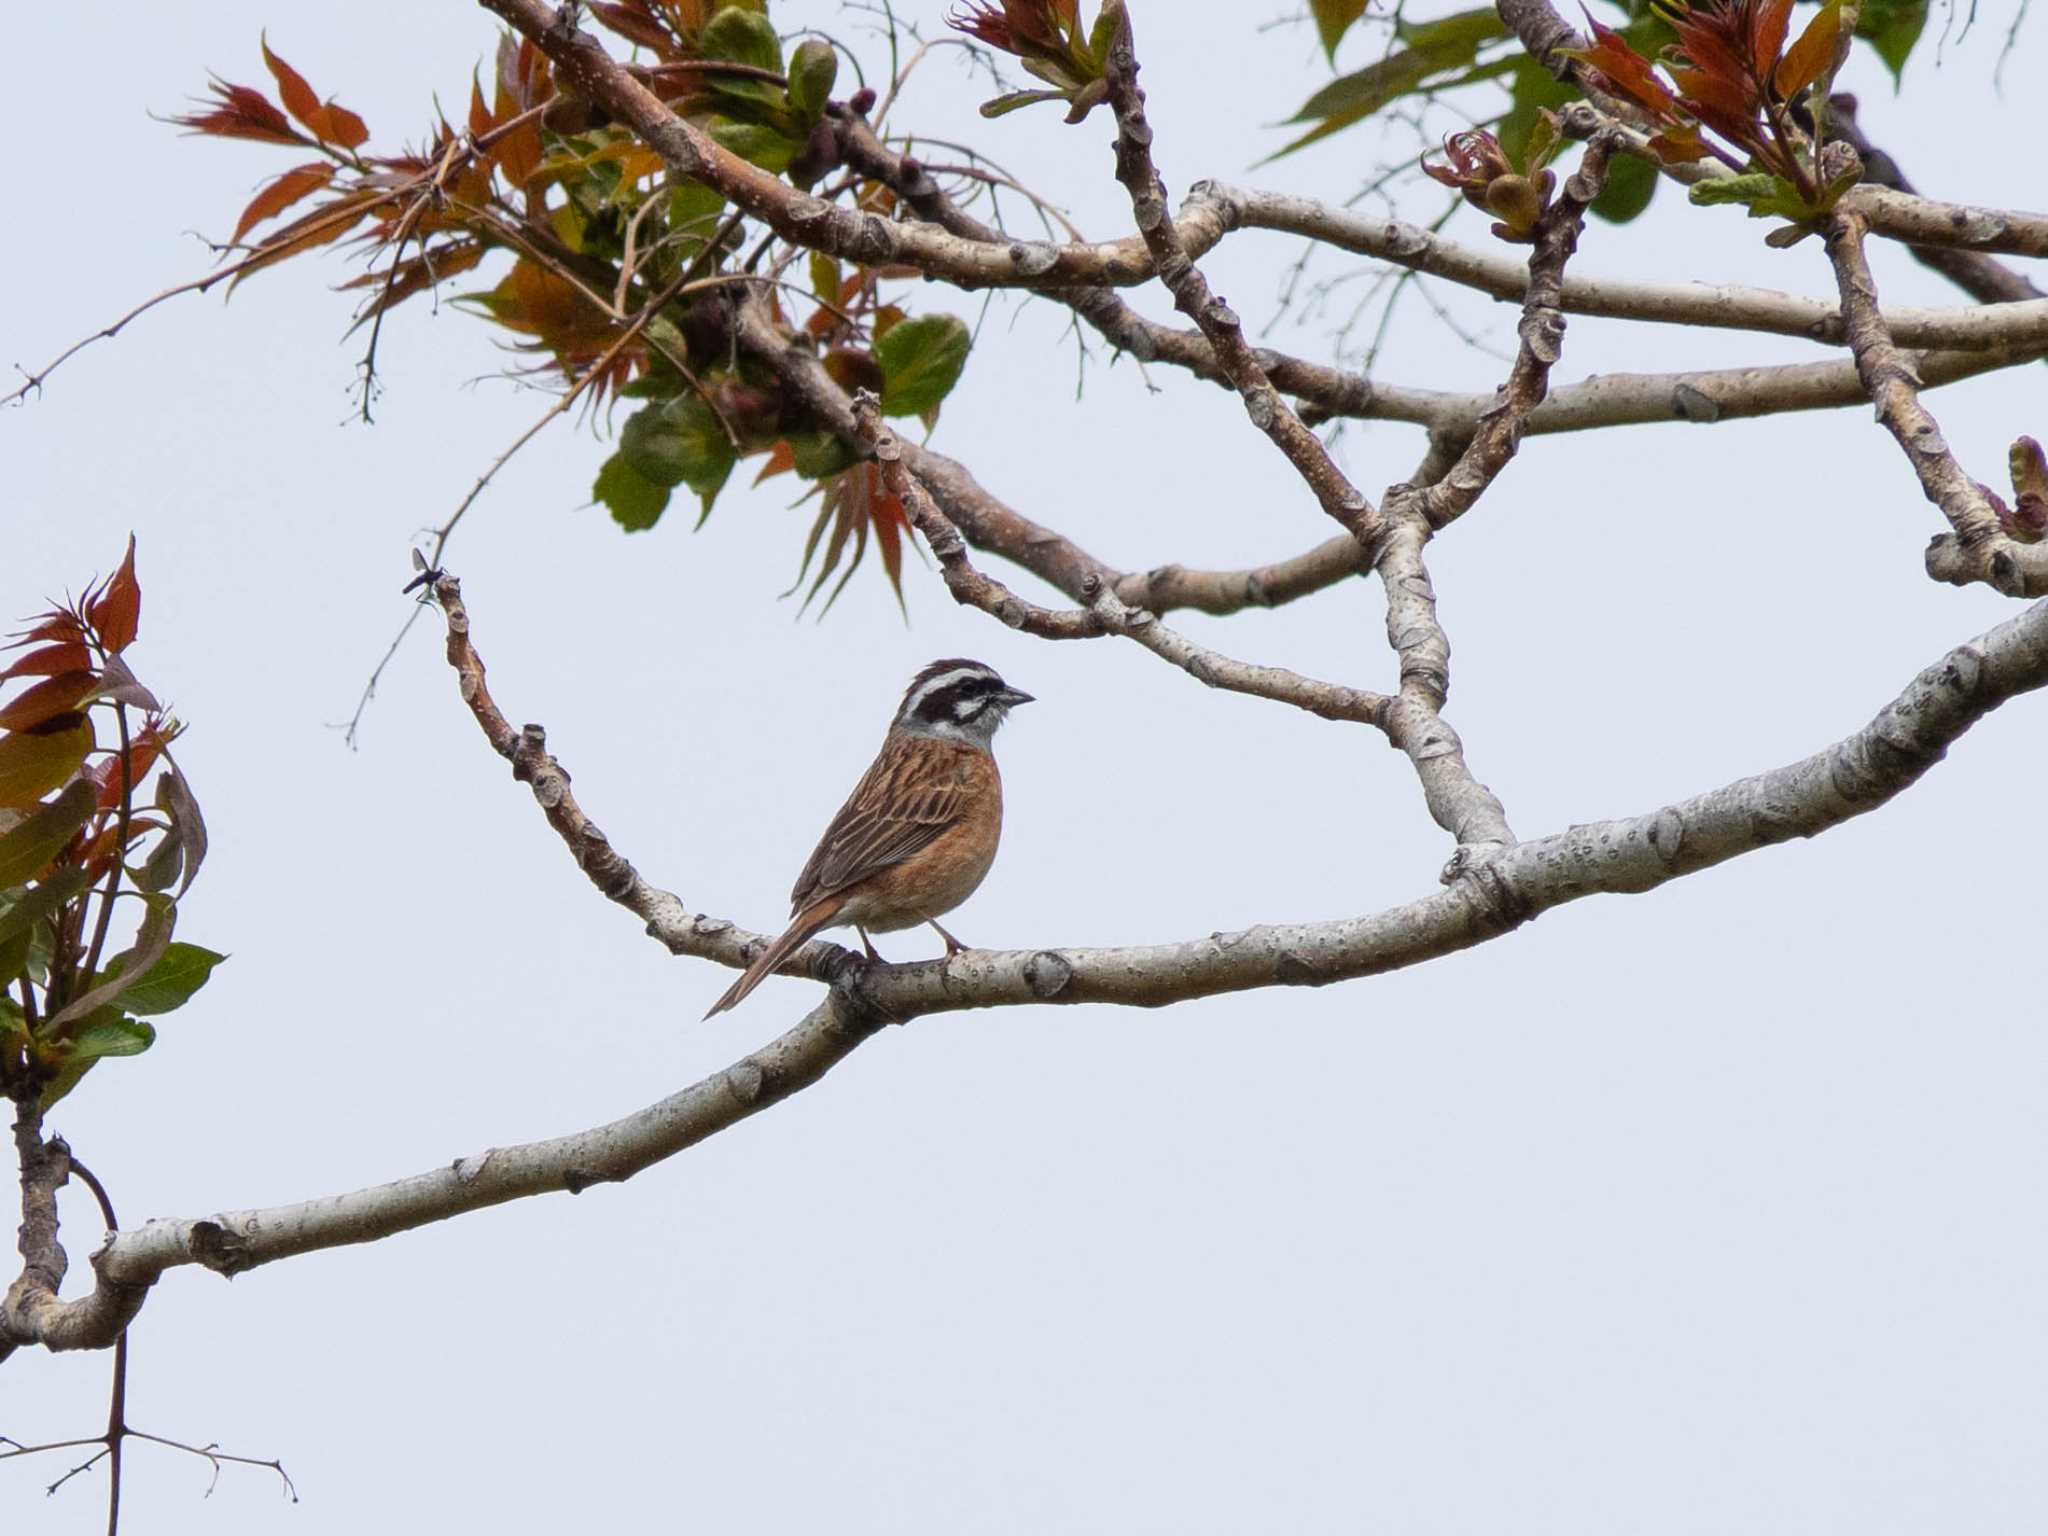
column 1033, row 258
column 1476, row 869
column 1666, row 835
column 1960, row 672
column 219, row 1247
column 873, row 240
column 1292, row 970
column 745, row 1080
column 1047, row 974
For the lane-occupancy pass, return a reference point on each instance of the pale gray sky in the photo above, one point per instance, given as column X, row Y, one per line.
column 1716, row 1209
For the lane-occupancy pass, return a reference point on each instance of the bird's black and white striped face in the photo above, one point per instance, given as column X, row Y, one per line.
column 960, row 699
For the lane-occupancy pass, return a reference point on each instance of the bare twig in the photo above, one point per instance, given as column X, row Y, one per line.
column 1269, row 412
column 1975, row 548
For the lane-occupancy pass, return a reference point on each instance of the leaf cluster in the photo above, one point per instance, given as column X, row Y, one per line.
column 1732, row 73
column 1466, row 53
column 619, row 275
column 77, row 839
column 1048, row 39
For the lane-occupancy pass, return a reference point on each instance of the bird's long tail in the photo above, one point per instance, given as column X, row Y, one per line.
column 805, row 924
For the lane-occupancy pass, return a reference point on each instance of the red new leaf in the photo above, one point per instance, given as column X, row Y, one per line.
column 1810, row 57
column 116, row 612
column 52, row 697
column 636, row 24
column 780, row 461
column 1767, row 28
column 242, row 114
column 69, row 656
column 1627, row 71
column 142, row 756
column 280, row 193
column 331, row 124
column 55, row 625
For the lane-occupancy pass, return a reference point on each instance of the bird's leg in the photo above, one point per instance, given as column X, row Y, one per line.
column 868, row 945
column 953, row 945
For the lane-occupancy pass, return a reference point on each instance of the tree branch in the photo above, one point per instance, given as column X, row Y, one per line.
column 1702, row 396
column 1984, row 278
column 1634, row 854
column 1269, row 412
column 810, row 221
column 1726, row 306
column 31, row 1312
column 1976, row 543
column 1106, row 614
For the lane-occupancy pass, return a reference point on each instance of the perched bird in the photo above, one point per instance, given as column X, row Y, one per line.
column 920, row 829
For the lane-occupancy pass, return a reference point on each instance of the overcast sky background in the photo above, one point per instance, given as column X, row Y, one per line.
column 1715, row 1209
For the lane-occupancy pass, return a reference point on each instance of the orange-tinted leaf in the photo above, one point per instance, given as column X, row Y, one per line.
column 415, row 276
column 57, row 625
column 116, row 613
column 69, row 656
column 534, row 301
column 1767, row 27
column 522, row 83
column 1627, row 71
column 242, row 114
column 1705, row 37
column 1713, row 98
column 51, row 697
column 1809, row 58
column 36, row 761
column 142, row 756
column 322, row 226
column 633, row 23
column 780, row 461
column 887, row 516
column 331, row 124
column 299, row 98
column 1679, row 146
column 280, row 193
column 480, row 120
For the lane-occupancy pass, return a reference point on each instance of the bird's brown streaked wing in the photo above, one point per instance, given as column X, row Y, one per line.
column 884, row 820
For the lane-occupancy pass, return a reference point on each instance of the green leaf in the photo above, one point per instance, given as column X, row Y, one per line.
column 819, row 455
column 108, row 1032
column 1333, row 20
column 1745, row 189
column 1631, row 183
column 1011, row 101
column 1892, row 27
column 742, row 36
column 635, row 502
column 1534, row 90
column 36, row 840
column 693, row 211
column 34, row 762
column 1433, row 49
column 813, row 69
column 679, row 442
column 27, row 908
column 152, row 938
column 921, row 359
column 182, row 970
column 769, row 148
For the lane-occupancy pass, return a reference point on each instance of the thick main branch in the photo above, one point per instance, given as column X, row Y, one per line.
column 1850, row 778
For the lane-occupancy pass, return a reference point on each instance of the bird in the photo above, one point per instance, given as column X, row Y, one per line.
column 919, row 831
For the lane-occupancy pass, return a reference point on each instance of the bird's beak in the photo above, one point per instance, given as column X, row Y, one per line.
column 1012, row 697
